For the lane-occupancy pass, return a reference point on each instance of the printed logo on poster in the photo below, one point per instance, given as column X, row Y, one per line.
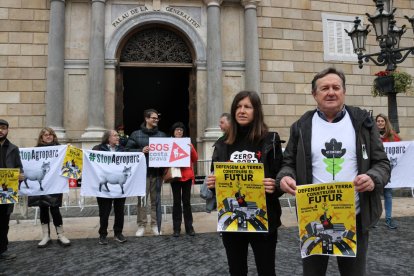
column 169, row 152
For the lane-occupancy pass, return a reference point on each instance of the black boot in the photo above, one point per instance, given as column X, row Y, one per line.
column 176, row 228
column 190, row 231
column 176, row 233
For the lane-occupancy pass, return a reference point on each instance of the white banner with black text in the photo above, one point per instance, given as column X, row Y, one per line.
column 42, row 171
column 113, row 174
column 401, row 156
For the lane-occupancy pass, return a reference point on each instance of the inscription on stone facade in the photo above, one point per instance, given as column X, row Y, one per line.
column 126, row 15
column 183, row 15
column 138, row 10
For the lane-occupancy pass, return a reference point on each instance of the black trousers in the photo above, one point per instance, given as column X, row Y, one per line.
column 264, row 250
column 54, row 211
column 316, row 265
column 182, row 192
column 4, row 227
column 105, row 206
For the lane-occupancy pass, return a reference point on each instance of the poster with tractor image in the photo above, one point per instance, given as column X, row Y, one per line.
column 326, row 219
column 241, row 198
column 9, row 179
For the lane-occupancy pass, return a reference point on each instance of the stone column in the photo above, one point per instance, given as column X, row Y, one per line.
column 214, row 69
column 55, row 68
column 251, row 46
column 96, row 104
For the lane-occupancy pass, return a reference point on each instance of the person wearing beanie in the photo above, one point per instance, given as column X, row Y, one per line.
column 9, row 158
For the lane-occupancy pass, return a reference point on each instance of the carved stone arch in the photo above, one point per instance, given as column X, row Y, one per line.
column 156, row 22
column 156, row 44
column 164, row 19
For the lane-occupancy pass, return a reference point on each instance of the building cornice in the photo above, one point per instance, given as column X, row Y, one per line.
column 213, row 2
column 250, row 4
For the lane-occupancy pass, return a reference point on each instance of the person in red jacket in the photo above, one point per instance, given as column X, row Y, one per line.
column 387, row 135
column 181, row 189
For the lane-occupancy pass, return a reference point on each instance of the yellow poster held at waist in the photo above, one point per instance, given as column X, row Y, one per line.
column 241, row 198
column 327, row 221
column 9, row 179
column 72, row 163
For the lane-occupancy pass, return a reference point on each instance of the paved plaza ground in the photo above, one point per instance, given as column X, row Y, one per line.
column 390, row 251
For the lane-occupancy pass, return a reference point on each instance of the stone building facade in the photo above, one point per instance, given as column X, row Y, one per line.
column 81, row 66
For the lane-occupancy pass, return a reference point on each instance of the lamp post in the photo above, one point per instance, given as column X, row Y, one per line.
column 388, row 36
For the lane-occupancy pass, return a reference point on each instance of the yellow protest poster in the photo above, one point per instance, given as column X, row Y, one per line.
column 72, row 163
column 9, row 179
column 241, row 198
column 327, row 222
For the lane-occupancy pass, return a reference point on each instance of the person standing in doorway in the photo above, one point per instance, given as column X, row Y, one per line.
column 9, row 158
column 181, row 189
column 110, row 142
column 139, row 141
column 249, row 134
column 49, row 203
column 365, row 162
column 387, row 134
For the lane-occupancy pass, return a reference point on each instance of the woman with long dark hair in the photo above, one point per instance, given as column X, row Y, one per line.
column 249, row 134
column 387, row 134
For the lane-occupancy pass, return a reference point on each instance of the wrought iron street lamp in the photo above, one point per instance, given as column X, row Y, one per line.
column 388, row 35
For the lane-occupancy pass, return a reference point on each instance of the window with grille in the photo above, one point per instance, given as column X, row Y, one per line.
column 336, row 42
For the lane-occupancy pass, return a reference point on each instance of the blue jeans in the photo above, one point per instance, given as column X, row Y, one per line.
column 388, row 202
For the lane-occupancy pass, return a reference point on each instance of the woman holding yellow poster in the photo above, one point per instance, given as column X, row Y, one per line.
column 248, row 140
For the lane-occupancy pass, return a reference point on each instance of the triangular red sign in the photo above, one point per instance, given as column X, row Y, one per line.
column 177, row 153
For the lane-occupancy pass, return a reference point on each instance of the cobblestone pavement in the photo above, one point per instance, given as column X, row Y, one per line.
column 390, row 253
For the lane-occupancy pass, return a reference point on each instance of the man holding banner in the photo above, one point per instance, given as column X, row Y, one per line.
column 139, row 141
column 9, row 158
column 337, row 143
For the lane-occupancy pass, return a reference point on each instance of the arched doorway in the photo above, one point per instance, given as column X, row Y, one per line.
column 156, row 71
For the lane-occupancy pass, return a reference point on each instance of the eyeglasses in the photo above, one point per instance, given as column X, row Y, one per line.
column 179, row 129
column 3, row 127
column 155, row 118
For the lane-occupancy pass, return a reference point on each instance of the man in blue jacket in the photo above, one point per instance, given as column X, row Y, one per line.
column 336, row 128
column 9, row 158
